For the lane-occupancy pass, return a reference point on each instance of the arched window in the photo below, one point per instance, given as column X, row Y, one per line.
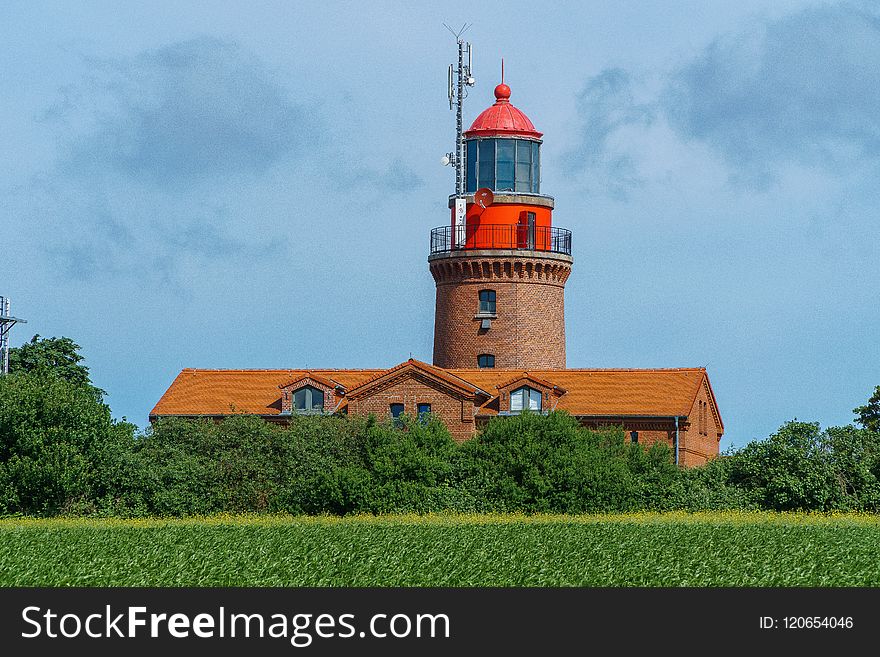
column 525, row 398
column 486, row 360
column 487, row 302
column 308, row 399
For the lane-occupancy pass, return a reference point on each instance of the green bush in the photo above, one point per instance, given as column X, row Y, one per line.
column 550, row 463
column 60, row 449
column 62, row 453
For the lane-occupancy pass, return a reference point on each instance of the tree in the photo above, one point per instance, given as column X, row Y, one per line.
column 60, row 449
column 869, row 414
column 55, row 356
column 793, row 470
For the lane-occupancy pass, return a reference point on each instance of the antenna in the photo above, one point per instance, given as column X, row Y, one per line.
column 451, row 91
column 6, row 324
column 459, row 77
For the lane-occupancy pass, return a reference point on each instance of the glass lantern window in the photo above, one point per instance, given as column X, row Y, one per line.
column 503, row 165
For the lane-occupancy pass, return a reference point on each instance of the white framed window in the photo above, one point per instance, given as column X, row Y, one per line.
column 525, row 398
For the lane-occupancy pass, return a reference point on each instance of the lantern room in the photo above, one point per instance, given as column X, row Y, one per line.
column 503, row 149
column 505, row 208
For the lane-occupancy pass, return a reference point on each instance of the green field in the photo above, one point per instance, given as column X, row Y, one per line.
column 711, row 549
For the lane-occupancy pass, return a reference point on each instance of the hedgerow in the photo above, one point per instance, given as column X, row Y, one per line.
column 61, row 453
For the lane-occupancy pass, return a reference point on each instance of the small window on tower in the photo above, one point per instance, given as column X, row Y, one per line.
column 486, row 360
column 487, row 302
column 634, row 436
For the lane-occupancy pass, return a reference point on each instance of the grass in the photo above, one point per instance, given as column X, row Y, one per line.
column 675, row 549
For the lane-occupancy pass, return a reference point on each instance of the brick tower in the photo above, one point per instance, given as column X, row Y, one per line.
column 500, row 266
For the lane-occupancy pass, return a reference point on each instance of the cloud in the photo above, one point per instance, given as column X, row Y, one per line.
column 607, row 107
column 157, row 155
column 397, row 177
column 185, row 113
column 802, row 90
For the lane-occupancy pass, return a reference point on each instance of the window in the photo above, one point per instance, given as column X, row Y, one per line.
column 525, row 398
column 503, row 165
column 424, row 412
column 471, row 160
column 505, row 152
column 486, row 360
column 308, row 399
column 634, row 436
column 487, row 302
column 396, row 412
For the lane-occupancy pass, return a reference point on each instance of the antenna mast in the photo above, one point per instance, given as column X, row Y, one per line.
column 459, row 78
column 6, row 324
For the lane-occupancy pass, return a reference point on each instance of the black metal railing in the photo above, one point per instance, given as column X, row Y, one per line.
column 501, row 236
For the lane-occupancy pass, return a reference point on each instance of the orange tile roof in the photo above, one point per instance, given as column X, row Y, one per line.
column 528, row 376
column 609, row 392
column 593, row 392
column 317, row 378
column 219, row 392
column 439, row 372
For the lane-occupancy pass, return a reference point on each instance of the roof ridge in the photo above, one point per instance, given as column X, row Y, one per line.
column 444, row 369
column 439, row 372
column 281, row 369
column 580, row 369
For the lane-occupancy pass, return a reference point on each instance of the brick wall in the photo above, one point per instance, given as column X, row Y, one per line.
column 695, row 447
column 699, row 442
column 528, row 330
column 456, row 412
column 287, row 391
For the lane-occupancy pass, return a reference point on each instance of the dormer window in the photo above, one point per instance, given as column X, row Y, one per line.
column 525, row 398
column 308, row 400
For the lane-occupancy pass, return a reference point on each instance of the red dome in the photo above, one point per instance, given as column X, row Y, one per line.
column 502, row 119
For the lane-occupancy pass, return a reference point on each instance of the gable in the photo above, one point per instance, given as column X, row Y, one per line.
column 310, row 379
column 528, row 379
column 413, row 370
column 706, row 388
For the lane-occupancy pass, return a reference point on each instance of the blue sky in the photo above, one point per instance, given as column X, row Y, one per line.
column 253, row 184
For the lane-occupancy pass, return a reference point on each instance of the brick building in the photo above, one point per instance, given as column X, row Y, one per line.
column 500, row 268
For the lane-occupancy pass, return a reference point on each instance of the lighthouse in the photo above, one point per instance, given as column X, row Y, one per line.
column 500, row 269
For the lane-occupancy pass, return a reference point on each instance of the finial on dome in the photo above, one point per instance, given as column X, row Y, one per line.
column 502, row 91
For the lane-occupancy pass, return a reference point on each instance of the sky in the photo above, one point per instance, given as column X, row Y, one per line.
column 252, row 185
